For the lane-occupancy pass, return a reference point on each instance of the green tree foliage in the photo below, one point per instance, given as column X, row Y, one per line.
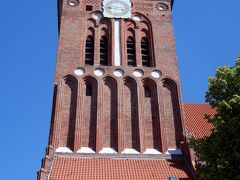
column 219, row 154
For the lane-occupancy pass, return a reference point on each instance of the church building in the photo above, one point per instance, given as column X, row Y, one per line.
column 117, row 110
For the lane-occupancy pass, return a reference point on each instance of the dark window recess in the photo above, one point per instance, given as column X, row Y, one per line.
column 89, row 8
column 103, row 51
column 88, row 90
column 131, row 52
column 147, row 92
column 89, row 51
column 145, row 52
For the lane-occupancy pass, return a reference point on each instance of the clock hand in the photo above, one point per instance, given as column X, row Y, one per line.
column 115, row 7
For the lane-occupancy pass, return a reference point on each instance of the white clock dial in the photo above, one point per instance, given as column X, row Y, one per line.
column 117, row 8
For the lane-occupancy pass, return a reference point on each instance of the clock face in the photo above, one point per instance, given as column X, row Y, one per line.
column 117, row 8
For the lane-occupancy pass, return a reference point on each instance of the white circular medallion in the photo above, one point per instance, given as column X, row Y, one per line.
column 138, row 73
column 79, row 71
column 137, row 18
column 99, row 72
column 118, row 73
column 156, row 74
column 97, row 16
column 162, row 7
column 72, row 3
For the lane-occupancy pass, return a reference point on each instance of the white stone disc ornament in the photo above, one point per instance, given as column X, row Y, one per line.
column 118, row 73
column 97, row 16
column 99, row 72
column 162, row 7
column 156, row 74
column 137, row 18
column 138, row 73
column 79, row 71
column 72, row 3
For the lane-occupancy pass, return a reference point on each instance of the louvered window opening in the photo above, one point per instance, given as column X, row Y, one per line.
column 104, row 51
column 89, row 51
column 145, row 52
column 88, row 90
column 131, row 52
column 147, row 92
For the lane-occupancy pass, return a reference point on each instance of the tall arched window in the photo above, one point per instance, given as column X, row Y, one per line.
column 145, row 52
column 103, row 51
column 89, row 50
column 131, row 52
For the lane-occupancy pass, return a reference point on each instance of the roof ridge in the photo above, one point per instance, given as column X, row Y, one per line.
column 119, row 157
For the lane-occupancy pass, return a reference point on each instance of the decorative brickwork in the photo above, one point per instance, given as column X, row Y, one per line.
column 117, row 87
column 143, row 7
column 108, row 105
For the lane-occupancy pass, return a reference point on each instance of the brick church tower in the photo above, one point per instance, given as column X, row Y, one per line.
column 117, row 107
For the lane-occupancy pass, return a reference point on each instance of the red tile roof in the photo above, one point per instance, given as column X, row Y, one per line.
column 77, row 168
column 197, row 126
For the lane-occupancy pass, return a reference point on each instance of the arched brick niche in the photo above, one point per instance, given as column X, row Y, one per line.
column 172, row 114
column 89, row 113
column 130, row 117
column 69, row 102
column 54, row 106
column 109, row 121
column 150, row 115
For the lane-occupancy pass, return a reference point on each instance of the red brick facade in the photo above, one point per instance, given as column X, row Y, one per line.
column 135, row 110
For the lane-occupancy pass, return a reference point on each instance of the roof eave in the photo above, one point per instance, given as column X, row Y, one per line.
column 59, row 6
column 172, row 3
column 59, row 3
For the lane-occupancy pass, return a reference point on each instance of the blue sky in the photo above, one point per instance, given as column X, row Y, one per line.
column 207, row 36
